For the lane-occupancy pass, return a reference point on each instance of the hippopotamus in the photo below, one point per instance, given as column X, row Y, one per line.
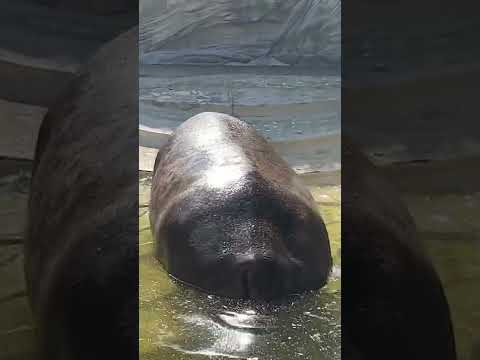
column 230, row 217
column 393, row 303
column 81, row 247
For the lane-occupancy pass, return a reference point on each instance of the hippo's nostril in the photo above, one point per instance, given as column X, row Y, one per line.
column 259, row 277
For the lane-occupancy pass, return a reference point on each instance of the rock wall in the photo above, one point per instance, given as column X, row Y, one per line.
column 246, row 32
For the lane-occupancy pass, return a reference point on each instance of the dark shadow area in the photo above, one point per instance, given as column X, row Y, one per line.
column 68, row 207
column 411, row 184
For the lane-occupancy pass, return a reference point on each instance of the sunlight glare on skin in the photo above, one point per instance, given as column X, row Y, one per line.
column 214, row 130
column 228, row 164
column 225, row 175
column 207, row 138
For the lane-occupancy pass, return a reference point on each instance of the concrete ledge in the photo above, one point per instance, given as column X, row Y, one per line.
column 27, row 84
column 153, row 137
column 19, row 128
column 146, row 158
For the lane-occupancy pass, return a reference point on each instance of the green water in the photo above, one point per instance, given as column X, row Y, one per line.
column 461, row 280
column 180, row 323
column 449, row 227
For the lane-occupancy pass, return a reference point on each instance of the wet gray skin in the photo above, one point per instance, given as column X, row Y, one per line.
column 230, row 217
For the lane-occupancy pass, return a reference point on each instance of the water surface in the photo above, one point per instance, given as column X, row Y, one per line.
column 296, row 108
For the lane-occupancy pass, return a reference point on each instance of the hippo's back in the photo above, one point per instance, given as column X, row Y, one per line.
column 220, row 152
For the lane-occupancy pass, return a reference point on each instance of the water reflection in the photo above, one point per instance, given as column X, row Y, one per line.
column 305, row 327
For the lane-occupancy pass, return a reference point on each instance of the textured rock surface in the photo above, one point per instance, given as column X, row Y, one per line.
column 267, row 32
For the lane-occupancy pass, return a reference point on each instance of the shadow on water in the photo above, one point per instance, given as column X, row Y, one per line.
column 446, row 214
column 177, row 322
column 448, row 226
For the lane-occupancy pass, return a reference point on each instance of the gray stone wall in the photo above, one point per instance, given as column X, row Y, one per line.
column 246, row 32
